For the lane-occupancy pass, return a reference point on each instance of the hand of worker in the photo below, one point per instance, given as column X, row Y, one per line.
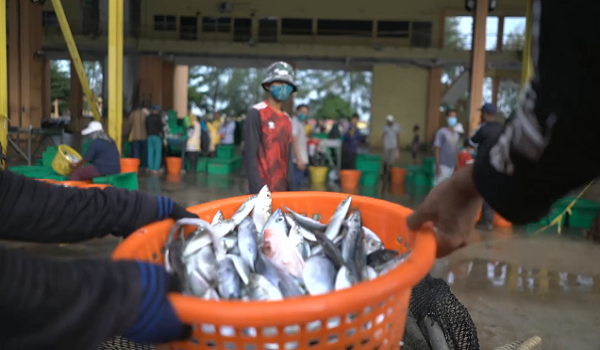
column 452, row 206
column 73, row 164
column 301, row 165
column 178, row 212
column 156, row 321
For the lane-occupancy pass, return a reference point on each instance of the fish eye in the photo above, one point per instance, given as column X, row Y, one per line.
column 279, row 219
column 268, row 195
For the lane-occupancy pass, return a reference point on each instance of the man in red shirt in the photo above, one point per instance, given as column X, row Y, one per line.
column 268, row 133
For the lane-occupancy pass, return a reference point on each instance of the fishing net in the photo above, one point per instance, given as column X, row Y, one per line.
column 431, row 297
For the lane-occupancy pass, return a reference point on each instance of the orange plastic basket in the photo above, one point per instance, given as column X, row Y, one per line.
column 370, row 315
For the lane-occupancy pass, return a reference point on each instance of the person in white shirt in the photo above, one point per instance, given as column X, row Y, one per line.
column 299, row 143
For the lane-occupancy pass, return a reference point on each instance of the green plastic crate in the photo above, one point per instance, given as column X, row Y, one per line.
column 126, row 152
column 39, row 162
column 554, row 213
column 219, row 166
column 20, row 169
column 202, row 164
column 429, row 166
column 226, row 151
column 582, row 213
column 48, row 155
column 367, row 164
column 47, row 176
column 127, row 181
column 409, row 178
column 368, row 191
column 369, row 178
column 320, row 136
column 423, row 179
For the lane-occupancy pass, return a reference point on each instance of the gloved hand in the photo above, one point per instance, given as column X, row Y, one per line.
column 157, row 322
column 169, row 209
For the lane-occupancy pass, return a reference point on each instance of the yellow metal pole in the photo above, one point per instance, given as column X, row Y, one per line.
column 66, row 30
column 527, row 70
column 3, row 81
column 115, row 70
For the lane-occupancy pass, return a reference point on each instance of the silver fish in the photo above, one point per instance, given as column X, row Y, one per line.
column 262, row 209
column 346, row 278
column 244, row 210
column 229, row 242
column 217, row 218
column 372, row 241
column 247, row 245
column 303, row 231
column 380, row 257
column 330, row 249
column 211, row 294
column 280, row 248
column 259, row 288
column 337, row 241
column 308, row 223
column 353, row 249
column 392, row 264
column 173, row 248
column 241, row 267
column 296, row 236
column 319, row 275
column 197, row 285
column 277, row 276
column 335, row 223
column 221, row 229
column 229, row 282
column 205, row 263
column 369, row 273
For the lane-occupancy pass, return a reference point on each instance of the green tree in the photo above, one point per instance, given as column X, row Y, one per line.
column 93, row 71
column 333, row 107
column 60, row 85
column 453, row 38
column 515, row 40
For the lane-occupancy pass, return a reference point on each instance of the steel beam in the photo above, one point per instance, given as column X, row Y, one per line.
column 68, row 35
column 527, row 70
column 3, row 81
column 115, row 70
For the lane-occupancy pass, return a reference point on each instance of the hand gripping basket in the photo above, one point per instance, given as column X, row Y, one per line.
column 370, row 315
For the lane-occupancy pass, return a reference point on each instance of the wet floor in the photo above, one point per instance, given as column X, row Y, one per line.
column 514, row 284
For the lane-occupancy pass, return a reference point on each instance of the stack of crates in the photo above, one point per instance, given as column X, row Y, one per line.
column 226, row 161
column 128, row 181
column 420, row 177
column 370, row 167
column 581, row 216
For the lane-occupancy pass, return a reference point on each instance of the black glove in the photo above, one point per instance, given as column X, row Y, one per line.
column 157, row 322
column 169, row 209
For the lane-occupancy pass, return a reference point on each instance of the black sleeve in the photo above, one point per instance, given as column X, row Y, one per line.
column 477, row 137
column 252, row 136
column 55, row 305
column 36, row 211
column 551, row 146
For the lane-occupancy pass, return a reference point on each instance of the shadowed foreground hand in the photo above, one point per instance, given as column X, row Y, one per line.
column 452, row 206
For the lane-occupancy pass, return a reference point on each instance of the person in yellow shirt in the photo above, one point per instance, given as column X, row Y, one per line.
column 215, row 139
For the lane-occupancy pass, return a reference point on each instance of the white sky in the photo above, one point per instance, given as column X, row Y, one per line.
column 511, row 24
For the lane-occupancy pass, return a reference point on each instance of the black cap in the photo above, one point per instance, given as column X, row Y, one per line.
column 489, row 108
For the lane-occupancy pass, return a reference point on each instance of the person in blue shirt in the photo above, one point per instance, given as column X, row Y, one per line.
column 101, row 158
column 352, row 139
column 227, row 131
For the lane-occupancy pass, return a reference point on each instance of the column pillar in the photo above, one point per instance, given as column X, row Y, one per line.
column 401, row 92
column 180, row 87
column 46, row 90
column 151, row 80
column 477, row 62
column 500, row 37
column 433, row 105
column 76, row 106
column 168, row 86
column 495, row 89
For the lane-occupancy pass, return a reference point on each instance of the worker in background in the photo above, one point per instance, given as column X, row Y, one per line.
column 352, row 139
column 227, row 130
column 154, row 129
column 415, row 144
column 77, row 304
column 446, row 149
column 192, row 145
column 299, row 145
column 268, row 132
column 137, row 121
column 101, row 157
column 205, row 137
column 550, row 147
column 390, row 139
column 485, row 137
column 466, row 155
column 215, row 138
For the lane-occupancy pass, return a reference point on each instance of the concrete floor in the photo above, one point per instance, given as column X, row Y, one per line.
column 515, row 285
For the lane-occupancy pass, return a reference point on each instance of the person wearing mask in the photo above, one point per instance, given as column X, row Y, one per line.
column 192, row 146
column 446, row 149
column 154, row 129
column 100, row 159
column 391, row 143
column 550, row 147
column 352, row 139
column 300, row 145
column 485, row 137
column 227, row 131
column 137, row 121
column 79, row 303
column 268, row 132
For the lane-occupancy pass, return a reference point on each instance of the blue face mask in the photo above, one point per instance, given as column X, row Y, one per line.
column 301, row 116
column 281, row 92
column 452, row 121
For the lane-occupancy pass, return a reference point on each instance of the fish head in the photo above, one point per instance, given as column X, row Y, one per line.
column 217, row 218
column 345, row 205
column 277, row 222
column 355, row 219
column 263, row 199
